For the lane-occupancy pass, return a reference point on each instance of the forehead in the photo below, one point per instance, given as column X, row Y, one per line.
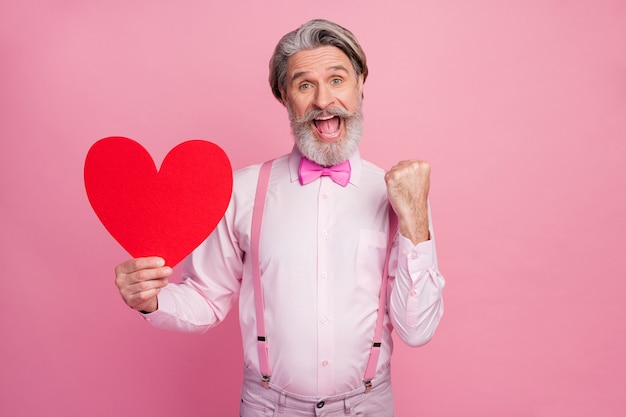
column 321, row 59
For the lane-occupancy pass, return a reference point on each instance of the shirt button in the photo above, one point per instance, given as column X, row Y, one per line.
column 413, row 293
column 324, row 274
column 324, row 363
column 324, row 196
column 324, row 320
column 320, row 404
column 324, row 232
column 413, row 255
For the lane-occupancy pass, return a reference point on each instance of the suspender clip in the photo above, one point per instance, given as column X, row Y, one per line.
column 265, row 380
column 368, row 385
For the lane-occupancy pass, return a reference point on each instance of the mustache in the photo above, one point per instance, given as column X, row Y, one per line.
column 316, row 113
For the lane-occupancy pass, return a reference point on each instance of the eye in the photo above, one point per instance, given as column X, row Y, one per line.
column 336, row 81
column 304, row 86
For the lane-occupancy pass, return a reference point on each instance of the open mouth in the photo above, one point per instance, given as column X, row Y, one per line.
column 328, row 127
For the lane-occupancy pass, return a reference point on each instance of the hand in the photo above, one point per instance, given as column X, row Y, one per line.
column 140, row 280
column 408, row 184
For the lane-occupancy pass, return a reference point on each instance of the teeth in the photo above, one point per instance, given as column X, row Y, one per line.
column 324, row 118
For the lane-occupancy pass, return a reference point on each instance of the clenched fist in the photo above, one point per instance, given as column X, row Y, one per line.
column 408, row 183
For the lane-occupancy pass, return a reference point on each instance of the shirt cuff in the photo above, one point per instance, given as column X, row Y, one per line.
column 417, row 258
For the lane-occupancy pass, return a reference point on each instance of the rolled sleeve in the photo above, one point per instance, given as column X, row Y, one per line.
column 416, row 299
column 417, row 258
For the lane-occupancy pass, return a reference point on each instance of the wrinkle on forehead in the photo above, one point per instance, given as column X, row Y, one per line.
column 327, row 58
column 331, row 69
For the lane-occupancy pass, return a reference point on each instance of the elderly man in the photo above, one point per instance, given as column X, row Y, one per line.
column 326, row 252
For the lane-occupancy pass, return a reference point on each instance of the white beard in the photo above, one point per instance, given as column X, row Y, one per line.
column 327, row 153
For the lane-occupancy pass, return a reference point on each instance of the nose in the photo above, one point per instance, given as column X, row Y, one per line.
column 324, row 97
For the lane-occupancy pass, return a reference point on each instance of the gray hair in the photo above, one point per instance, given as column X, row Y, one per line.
column 313, row 34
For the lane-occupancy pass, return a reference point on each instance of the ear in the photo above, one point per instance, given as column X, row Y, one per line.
column 283, row 96
column 360, row 81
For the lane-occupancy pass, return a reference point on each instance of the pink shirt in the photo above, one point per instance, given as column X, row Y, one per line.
column 322, row 253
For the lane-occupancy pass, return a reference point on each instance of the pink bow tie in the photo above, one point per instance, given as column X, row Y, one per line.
column 310, row 171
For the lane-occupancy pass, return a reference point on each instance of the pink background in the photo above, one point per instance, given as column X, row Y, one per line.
column 520, row 106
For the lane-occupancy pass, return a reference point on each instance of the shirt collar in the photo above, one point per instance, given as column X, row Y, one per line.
column 356, row 165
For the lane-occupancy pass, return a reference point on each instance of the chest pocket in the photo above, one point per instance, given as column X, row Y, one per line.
column 370, row 259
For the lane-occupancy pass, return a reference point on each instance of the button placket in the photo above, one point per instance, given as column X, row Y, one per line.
column 325, row 287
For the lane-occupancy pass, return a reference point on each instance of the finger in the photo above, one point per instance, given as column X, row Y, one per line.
column 145, row 297
column 146, row 286
column 126, row 280
column 141, row 292
column 146, row 300
column 149, row 274
column 136, row 264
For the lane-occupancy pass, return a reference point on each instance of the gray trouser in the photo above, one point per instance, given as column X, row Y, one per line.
column 258, row 401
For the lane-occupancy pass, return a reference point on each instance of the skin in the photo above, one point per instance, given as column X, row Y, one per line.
column 319, row 79
column 316, row 79
column 140, row 280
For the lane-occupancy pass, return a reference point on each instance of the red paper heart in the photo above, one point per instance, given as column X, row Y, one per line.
column 165, row 213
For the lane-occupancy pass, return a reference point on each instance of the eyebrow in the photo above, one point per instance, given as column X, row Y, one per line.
column 302, row 74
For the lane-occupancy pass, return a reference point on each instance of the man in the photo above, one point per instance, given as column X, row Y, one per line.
column 323, row 251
